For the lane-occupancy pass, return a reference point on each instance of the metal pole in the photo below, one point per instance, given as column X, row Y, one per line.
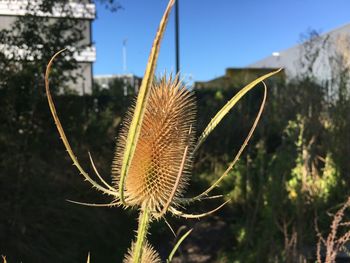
column 124, row 56
column 177, row 45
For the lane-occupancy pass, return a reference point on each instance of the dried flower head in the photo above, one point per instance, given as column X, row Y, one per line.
column 149, row 255
column 156, row 173
column 153, row 158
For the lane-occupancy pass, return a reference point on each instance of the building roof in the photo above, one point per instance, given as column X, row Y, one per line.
column 318, row 50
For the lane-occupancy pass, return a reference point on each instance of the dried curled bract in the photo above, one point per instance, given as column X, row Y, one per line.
column 149, row 255
column 166, row 133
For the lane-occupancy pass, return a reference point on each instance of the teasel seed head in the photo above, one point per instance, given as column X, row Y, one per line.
column 149, row 255
column 167, row 132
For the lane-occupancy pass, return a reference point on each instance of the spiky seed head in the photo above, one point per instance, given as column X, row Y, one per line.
column 149, row 255
column 167, row 129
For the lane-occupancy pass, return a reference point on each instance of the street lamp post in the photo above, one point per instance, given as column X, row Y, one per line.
column 177, row 44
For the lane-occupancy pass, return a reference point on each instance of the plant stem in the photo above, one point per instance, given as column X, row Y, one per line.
column 144, row 221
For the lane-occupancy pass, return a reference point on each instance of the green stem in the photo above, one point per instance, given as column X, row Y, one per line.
column 141, row 234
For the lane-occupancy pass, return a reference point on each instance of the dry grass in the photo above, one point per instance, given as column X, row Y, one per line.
column 337, row 238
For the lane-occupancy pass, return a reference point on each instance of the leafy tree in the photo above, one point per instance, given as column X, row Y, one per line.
column 36, row 223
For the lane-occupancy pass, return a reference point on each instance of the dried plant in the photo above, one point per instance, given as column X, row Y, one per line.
column 155, row 149
column 290, row 239
column 337, row 237
column 160, row 166
column 148, row 254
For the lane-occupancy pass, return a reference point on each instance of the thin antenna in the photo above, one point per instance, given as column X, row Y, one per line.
column 124, row 55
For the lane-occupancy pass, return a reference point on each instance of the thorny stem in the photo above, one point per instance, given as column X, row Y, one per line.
column 141, row 234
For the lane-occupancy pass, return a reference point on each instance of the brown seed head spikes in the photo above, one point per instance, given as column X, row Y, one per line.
column 166, row 133
column 149, row 255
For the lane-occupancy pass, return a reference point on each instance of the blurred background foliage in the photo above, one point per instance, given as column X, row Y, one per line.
column 295, row 169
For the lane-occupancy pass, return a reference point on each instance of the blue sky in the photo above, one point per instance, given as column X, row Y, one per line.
column 214, row 35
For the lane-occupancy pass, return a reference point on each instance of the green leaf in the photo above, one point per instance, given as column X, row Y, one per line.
column 228, row 106
column 178, row 243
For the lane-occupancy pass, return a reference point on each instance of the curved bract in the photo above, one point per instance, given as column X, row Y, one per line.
column 64, row 138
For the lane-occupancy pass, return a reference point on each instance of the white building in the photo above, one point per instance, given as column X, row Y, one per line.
column 322, row 56
column 84, row 11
